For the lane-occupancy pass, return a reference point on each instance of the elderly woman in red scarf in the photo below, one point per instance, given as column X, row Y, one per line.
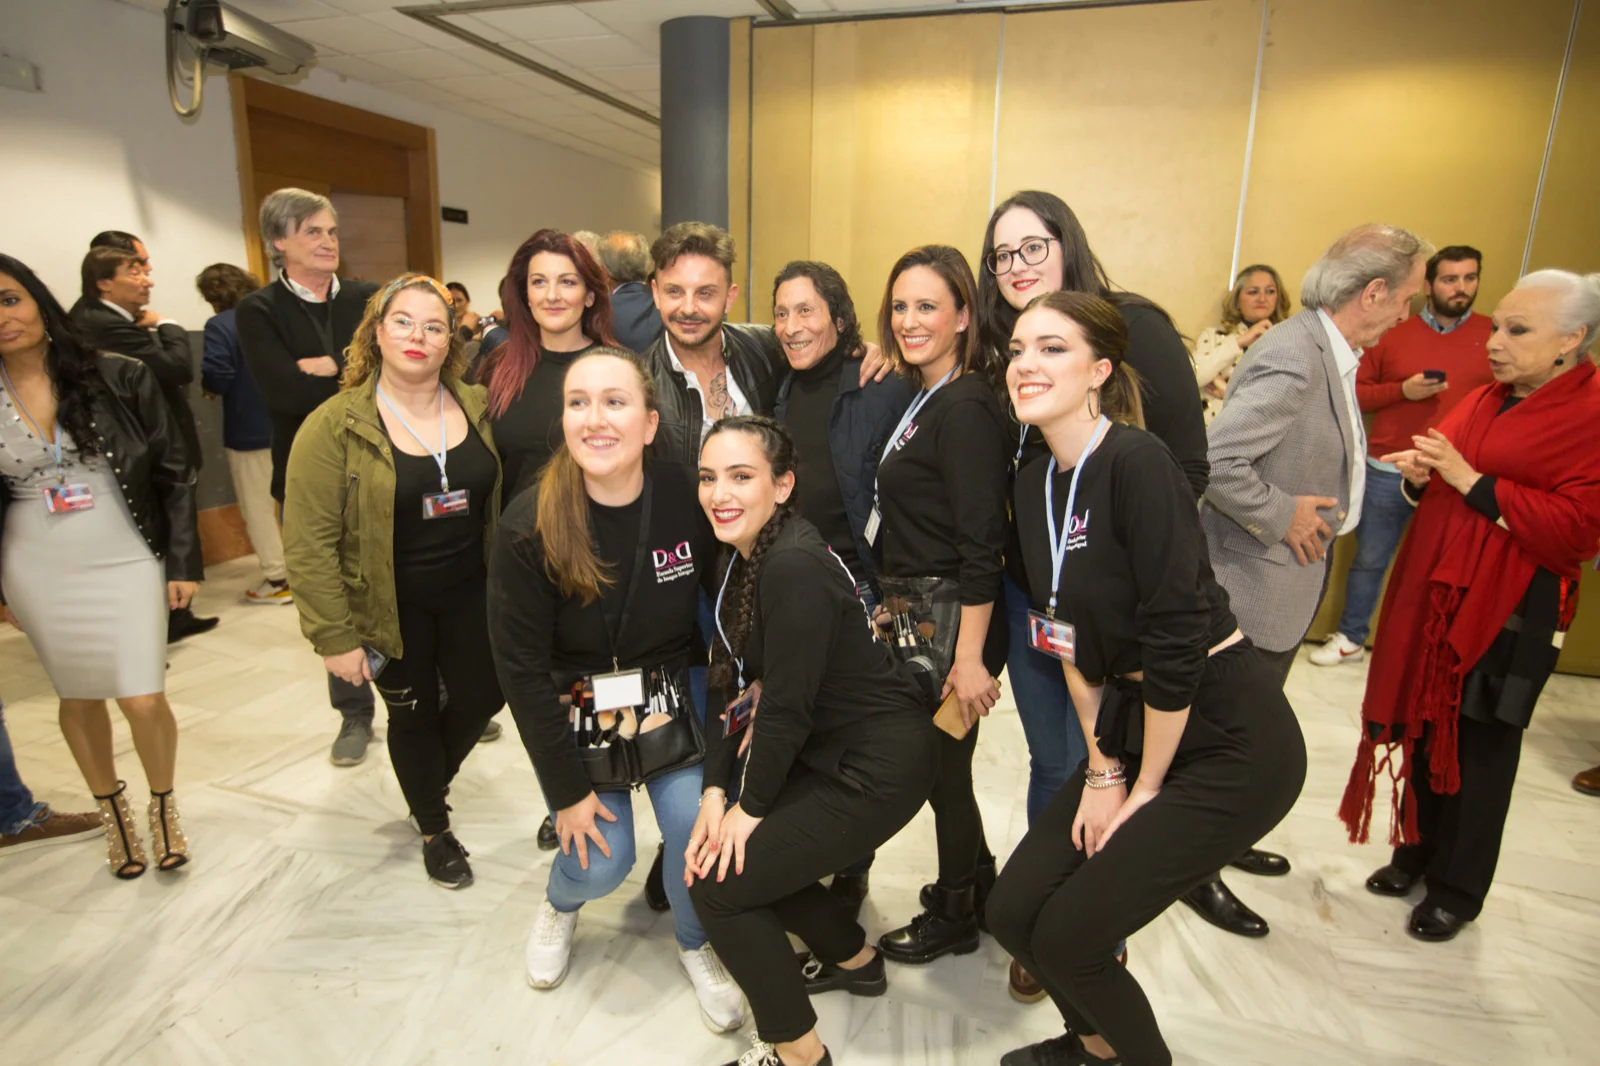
column 1480, row 599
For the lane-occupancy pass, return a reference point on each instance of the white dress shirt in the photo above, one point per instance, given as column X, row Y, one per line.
column 306, row 294
column 737, row 404
column 1348, row 361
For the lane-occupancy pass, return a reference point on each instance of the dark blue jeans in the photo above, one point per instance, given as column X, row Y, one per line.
column 1055, row 739
column 18, row 811
column 1384, row 514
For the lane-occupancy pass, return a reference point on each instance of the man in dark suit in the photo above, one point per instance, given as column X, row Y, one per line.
column 113, row 314
column 634, row 318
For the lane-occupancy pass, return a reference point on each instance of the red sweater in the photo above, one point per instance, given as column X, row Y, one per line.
column 1410, row 348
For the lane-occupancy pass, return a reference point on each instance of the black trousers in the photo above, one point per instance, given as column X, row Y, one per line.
column 1461, row 833
column 818, row 825
column 1061, row 915
column 445, row 639
column 957, row 822
column 1279, row 662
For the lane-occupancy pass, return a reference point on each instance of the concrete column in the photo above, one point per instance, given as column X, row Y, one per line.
column 694, row 120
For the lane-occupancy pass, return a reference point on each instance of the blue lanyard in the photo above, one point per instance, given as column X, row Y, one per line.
column 1058, row 546
column 444, row 437
column 717, row 617
column 55, row 445
column 1022, row 442
column 911, row 412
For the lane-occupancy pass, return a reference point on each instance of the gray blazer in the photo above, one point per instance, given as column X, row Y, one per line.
column 1284, row 432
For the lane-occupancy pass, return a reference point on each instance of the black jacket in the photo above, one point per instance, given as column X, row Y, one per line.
column 756, row 361
column 858, row 428
column 164, row 349
column 634, row 318
column 134, row 433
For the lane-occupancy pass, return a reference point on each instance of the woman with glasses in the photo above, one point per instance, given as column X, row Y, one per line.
column 392, row 499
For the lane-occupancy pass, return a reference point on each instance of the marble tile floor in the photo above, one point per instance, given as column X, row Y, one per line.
column 305, row 932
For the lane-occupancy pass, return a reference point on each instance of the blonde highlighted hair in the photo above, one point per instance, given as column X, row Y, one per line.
column 363, row 357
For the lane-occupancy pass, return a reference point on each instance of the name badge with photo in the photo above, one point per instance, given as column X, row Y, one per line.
column 446, row 504
column 59, row 499
column 741, row 710
column 1053, row 637
column 612, row 692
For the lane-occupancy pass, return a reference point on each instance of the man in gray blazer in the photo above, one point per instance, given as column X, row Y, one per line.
column 1288, row 466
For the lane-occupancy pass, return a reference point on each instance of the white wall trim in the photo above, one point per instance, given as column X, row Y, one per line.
column 1250, row 144
column 1550, row 138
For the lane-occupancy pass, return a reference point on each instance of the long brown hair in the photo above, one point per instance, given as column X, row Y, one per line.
column 363, row 358
column 1119, row 399
column 562, row 519
column 505, row 370
column 1231, row 317
column 739, row 603
column 951, row 266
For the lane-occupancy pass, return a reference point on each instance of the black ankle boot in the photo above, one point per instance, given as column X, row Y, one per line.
column 949, row 926
column 983, row 881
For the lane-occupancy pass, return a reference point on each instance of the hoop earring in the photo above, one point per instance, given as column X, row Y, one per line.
column 1094, row 402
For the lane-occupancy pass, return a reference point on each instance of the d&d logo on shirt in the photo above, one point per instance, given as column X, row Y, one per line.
column 1078, row 531
column 673, row 563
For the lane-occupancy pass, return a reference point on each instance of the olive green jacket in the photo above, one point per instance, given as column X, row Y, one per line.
column 338, row 520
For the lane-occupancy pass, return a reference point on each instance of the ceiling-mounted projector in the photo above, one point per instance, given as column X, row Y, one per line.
column 206, row 31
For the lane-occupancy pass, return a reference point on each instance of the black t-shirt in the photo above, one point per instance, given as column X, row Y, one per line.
column 826, row 682
column 529, row 431
column 1136, row 581
column 811, row 397
column 432, row 556
column 538, row 632
column 942, row 492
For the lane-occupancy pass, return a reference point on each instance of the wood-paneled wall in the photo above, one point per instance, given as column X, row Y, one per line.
column 868, row 138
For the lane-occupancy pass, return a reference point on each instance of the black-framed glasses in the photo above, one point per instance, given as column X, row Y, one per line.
column 1032, row 251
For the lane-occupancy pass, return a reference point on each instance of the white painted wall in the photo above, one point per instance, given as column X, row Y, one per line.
column 100, row 148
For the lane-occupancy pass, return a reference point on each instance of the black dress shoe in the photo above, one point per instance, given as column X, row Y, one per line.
column 655, row 890
column 868, row 980
column 1261, row 863
column 984, row 879
column 549, row 839
column 949, row 927
column 851, row 891
column 1433, row 923
column 183, row 623
column 1216, row 903
column 1390, row 881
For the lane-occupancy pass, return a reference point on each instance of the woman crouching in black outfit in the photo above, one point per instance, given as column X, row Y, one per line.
column 1193, row 751
column 841, row 755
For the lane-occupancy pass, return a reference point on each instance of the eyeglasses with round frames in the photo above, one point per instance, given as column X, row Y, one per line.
column 402, row 327
column 1032, row 251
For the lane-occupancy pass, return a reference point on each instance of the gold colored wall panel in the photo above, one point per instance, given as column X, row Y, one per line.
column 739, row 149
column 1568, row 231
column 780, row 154
column 1137, row 118
column 1428, row 116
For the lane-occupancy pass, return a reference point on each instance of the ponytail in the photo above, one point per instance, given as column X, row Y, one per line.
column 1121, row 398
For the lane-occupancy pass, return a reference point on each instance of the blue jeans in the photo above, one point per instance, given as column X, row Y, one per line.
column 676, row 799
column 18, row 811
column 1384, row 514
column 1055, row 739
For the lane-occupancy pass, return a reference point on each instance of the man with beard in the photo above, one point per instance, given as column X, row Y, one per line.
column 1408, row 382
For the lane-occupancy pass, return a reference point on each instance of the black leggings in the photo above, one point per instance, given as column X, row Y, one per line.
column 446, row 638
column 957, row 822
column 818, row 824
column 1061, row 916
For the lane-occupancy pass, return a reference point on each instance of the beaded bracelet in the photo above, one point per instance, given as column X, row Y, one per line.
column 719, row 793
column 1105, row 778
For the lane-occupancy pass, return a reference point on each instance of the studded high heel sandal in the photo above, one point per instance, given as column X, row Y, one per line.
column 124, row 852
column 167, row 840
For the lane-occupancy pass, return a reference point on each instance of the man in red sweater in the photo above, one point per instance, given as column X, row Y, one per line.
column 1407, row 383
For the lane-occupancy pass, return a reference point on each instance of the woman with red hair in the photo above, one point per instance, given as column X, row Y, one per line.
column 557, row 301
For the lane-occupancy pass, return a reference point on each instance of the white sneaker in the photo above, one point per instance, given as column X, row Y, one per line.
column 1338, row 649
column 721, row 1002
column 550, row 946
column 270, row 594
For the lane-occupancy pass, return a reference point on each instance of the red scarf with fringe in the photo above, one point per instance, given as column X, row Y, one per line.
column 1459, row 577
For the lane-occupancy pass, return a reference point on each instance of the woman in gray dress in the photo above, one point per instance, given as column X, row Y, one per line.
column 98, row 540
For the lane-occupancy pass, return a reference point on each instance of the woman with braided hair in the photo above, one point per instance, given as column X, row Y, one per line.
column 840, row 753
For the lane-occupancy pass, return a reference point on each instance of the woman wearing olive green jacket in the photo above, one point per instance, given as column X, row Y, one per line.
column 390, row 506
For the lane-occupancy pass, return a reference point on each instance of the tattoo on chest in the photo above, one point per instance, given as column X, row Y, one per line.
column 717, row 399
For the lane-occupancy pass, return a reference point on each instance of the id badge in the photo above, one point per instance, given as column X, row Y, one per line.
column 445, row 504
column 612, row 692
column 59, row 499
column 873, row 521
column 740, row 711
column 1053, row 637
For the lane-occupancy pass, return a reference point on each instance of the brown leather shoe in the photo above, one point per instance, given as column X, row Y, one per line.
column 1022, row 986
column 1588, row 781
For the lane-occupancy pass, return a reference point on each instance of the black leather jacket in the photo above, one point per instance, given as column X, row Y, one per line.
column 135, row 434
column 756, row 361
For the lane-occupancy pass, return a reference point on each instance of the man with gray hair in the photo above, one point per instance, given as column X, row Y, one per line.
column 293, row 332
column 634, row 318
column 1288, row 467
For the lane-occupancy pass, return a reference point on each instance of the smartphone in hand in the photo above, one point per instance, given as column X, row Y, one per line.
column 1433, row 375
